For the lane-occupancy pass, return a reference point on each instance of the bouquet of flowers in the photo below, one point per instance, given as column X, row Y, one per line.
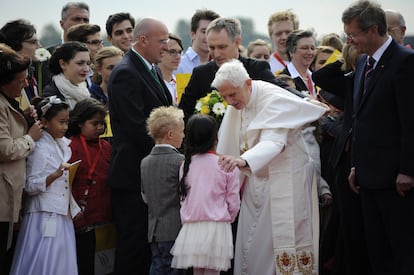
column 212, row 104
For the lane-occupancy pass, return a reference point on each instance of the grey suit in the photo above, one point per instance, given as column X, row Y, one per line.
column 159, row 185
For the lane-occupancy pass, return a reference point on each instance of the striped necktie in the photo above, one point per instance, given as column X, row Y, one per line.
column 369, row 69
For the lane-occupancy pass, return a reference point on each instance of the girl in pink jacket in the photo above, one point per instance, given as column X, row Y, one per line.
column 210, row 203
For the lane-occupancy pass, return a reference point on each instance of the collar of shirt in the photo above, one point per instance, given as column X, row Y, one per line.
column 191, row 53
column 294, row 73
column 166, row 146
column 149, row 65
column 377, row 55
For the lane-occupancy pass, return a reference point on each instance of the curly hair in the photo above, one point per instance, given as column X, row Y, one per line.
column 83, row 111
column 163, row 119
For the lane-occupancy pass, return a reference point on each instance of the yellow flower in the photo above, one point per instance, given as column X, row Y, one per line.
column 205, row 100
column 212, row 104
column 205, row 110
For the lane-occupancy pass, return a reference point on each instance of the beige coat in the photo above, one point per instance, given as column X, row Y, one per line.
column 15, row 145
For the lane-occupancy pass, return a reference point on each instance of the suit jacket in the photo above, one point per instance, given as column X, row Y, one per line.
column 383, row 126
column 332, row 79
column 133, row 94
column 159, row 185
column 203, row 75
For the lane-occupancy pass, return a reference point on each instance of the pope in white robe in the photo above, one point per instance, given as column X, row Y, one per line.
column 278, row 227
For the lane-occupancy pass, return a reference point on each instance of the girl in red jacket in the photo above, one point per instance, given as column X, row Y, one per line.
column 86, row 124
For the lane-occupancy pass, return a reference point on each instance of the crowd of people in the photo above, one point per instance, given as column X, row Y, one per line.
column 310, row 171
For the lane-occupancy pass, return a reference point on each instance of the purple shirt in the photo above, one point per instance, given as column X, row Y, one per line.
column 213, row 195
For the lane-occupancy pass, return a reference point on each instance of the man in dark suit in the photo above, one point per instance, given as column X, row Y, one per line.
column 382, row 147
column 223, row 39
column 134, row 90
column 351, row 257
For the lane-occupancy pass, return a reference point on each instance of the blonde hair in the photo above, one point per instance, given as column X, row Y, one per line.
column 322, row 49
column 105, row 52
column 257, row 42
column 162, row 120
column 279, row 16
column 350, row 57
column 333, row 40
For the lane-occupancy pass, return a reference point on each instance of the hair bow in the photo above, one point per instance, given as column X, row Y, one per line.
column 52, row 100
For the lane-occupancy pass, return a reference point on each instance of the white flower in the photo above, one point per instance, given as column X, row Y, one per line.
column 198, row 106
column 42, row 54
column 219, row 108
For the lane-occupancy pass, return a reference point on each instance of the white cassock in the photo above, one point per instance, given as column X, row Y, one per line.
column 278, row 228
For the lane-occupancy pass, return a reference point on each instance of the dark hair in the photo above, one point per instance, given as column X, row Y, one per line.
column 117, row 18
column 177, row 39
column 202, row 15
column 81, row 32
column 11, row 63
column 14, row 33
column 200, row 137
column 72, row 5
column 293, row 38
column 83, row 111
column 367, row 14
column 65, row 52
column 54, row 108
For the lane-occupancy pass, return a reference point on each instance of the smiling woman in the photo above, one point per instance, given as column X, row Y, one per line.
column 69, row 65
column 300, row 47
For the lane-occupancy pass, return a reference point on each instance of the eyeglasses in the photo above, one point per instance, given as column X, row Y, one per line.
column 352, row 36
column 94, row 42
column 32, row 41
column 174, row 52
column 304, row 48
column 160, row 41
column 390, row 30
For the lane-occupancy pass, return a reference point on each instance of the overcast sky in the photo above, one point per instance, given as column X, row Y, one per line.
column 324, row 16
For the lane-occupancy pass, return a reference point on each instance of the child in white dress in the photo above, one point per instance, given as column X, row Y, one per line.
column 46, row 242
column 210, row 203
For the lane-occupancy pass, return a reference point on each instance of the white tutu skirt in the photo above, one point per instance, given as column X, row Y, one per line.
column 206, row 244
column 38, row 254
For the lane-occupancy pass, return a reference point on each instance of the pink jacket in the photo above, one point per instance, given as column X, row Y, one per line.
column 213, row 195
